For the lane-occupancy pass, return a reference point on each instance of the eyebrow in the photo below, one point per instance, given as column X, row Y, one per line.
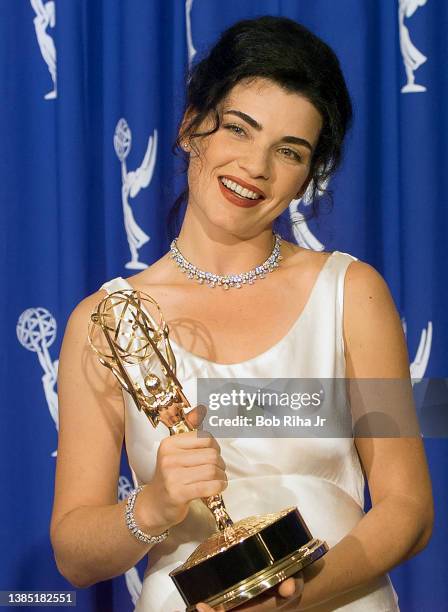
column 288, row 139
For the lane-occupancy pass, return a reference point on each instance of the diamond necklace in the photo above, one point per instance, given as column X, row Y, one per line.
column 228, row 280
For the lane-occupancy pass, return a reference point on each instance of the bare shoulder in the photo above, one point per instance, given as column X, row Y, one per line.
column 80, row 371
column 364, row 282
column 80, row 316
column 368, row 301
column 373, row 334
column 75, row 350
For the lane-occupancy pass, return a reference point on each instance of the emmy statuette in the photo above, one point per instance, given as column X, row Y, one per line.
column 242, row 559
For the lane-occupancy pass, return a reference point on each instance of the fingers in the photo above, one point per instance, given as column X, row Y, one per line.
column 287, row 588
column 291, row 586
column 183, row 484
column 190, row 440
column 203, row 456
column 202, row 473
column 204, row 489
column 290, row 593
column 196, row 416
column 192, row 458
column 187, row 467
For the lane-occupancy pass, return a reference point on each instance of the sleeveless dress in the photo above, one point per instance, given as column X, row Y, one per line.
column 321, row 476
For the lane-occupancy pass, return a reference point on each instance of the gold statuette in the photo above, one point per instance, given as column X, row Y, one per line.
column 242, row 559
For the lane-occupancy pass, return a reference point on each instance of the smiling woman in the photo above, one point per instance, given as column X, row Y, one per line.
column 254, row 163
column 285, row 53
column 265, row 118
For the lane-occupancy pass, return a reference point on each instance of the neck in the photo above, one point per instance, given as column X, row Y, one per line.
column 221, row 252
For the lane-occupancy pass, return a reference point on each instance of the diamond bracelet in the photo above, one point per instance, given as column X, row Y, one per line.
column 132, row 525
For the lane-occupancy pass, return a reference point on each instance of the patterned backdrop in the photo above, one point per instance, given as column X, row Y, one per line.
column 92, row 93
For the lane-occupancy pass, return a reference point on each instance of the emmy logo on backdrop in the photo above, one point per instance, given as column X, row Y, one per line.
column 420, row 362
column 46, row 16
column 302, row 233
column 132, row 183
column 190, row 46
column 133, row 582
column 36, row 331
column 412, row 57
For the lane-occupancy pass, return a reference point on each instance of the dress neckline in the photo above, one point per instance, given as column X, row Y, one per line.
column 264, row 353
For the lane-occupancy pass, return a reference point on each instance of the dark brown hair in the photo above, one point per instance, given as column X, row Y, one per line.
column 287, row 53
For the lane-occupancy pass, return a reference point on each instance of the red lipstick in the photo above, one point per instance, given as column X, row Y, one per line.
column 235, row 179
column 234, row 198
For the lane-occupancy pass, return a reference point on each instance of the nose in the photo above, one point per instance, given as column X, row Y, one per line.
column 256, row 162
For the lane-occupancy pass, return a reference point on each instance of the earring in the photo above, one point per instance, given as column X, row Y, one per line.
column 185, row 145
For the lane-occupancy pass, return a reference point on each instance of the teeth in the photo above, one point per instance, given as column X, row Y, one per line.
column 245, row 193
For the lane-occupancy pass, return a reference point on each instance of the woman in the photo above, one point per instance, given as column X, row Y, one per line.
column 267, row 111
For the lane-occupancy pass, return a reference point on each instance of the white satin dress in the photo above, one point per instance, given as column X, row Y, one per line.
column 321, row 476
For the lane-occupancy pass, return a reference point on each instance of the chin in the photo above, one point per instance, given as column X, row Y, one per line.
column 225, row 217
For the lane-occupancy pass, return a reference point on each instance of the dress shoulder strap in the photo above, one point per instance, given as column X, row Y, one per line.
column 116, row 284
column 340, row 263
column 326, row 311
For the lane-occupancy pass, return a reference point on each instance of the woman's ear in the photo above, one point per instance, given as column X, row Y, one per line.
column 188, row 116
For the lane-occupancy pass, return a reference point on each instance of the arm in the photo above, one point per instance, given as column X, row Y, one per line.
column 400, row 522
column 89, row 535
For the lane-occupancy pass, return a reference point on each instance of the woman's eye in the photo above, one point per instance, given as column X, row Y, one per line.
column 292, row 154
column 236, row 129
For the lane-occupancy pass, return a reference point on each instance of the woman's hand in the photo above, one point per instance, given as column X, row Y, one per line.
column 285, row 596
column 188, row 467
